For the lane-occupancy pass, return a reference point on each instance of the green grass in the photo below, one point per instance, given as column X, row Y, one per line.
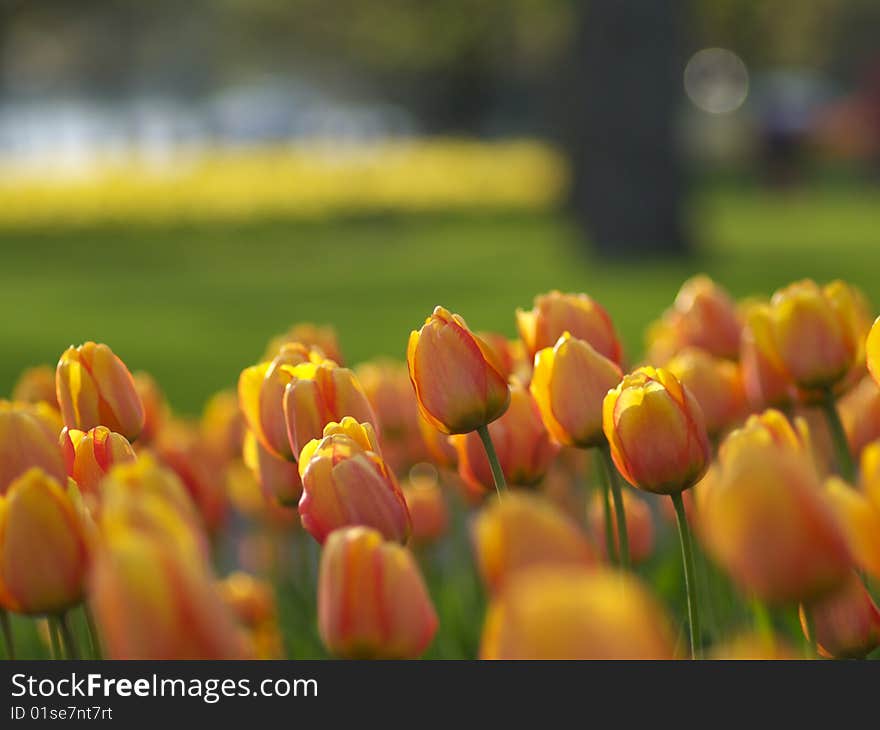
column 194, row 305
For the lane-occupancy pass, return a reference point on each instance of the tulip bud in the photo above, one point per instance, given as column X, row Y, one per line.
column 278, row 478
column 770, row 429
column 521, row 442
column 705, row 316
column 555, row 313
column 714, row 383
column 768, row 523
column 345, row 482
column 656, row 432
column 766, row 382
column 317, row 394
column 27, row 440
column 566, row 612
column 442, row 452
column 816, row 332
column 89, row 455
column 427, row 509
column 859, row 514
column 261, row 397
column 847, row 622
column 324, row 338
column 252, row 602
column 372, row 601
column 458, row 382
column 36, row 385
column 860, row 414
column 569, row 384
column 94, row 388
column 524, row 530
column 639, row 526
column 43, row 551
column 150, row 600
column 223, row 426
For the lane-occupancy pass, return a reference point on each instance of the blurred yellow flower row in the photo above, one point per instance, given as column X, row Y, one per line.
column 314, row 179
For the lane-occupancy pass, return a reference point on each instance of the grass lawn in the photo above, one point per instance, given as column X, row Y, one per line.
column 194, row 305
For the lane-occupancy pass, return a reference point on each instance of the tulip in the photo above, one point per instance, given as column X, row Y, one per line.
column 317, row 394
column 253, row 604
column 568, row 612
column 522, row 443
column 322, row 338
column 860, row 415
column 346, row 482
column 555, row 313
column 569, row 384
column 156, row 410
column 223, row 426
column 279, row 479
column 508, row 353
column 753, row 647
column 768, row 523
column 705, row 316
column 441, row 452
column 43, row 547
column 94, row 388
column 150, row 600
column 36, row 385
column 845, row 624
column 261, row 397
column 459, row 385
column 872, row 349
column 27, row 439
column 372, row 600
column 639, row 527
column 715, row 384
column 770, row 429
column 427, row 509
column 656, row 432
column 765, row 379
column 89, row 455
column 524, row 530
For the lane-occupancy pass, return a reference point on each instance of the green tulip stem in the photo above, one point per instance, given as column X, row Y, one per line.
column 6, row 626
column 619, row 511
column 54, row 640
column 610, row 547
column 497, row 473
column 687, row 557
column 94, row 641
column 841, row 445
column 70, row 645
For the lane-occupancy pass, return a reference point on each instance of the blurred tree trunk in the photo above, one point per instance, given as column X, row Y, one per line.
column 623, row 87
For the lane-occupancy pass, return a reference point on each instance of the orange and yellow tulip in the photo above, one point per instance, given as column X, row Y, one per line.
column 36, row 385
column 27, row 439
column 322, row 337
column 569, row 384
column 458, row 382
column 94, row 388
column 43, row 546
column 872, row 350
column 567, row 612
column 252, row 602
column 765, row 379
column 278, row 478
column 89, row 455
column 521, row 531
column 555, row 313
column 372, row 600
column 346, row 482
column 847, row 622
column 639, row 526
column 656, row 432
column 427, row 509
column 156, row 409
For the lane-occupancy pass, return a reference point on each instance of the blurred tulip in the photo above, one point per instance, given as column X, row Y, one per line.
column 427, row 509
column 253, row 603
column 555, row 313
column 43, row 550
column 647, row 403
column 372, row 600
column 860, row 414
column 768, row 523
column 753, row 647
column 768, row 429
column 278, row 478
column 346, row 483
column 94, row 388
column 846, row 622
column 766, row 382
column 261, row 397
column 524, row 530
column 156, row 410
column 872, row 349
column 816, row 332
column 89, row 455
column 459, row 385
column 323, row 337
column 150, row 600
column 569, row 384
column 716, row 385
column 36, row 385
column 639, row 526
column 441, row 451
column 566, row 612
column 317, row 394
column 223, row 426
column 504, row 350
column 27, row 439
column 521, row 441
